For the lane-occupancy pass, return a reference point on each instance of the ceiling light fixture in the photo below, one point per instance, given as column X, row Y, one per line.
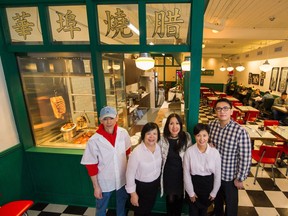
column 230, row 68
column 144, row 62
column 240, row 68
column 203, row 69
column 185, row 65
column 222, row 68
column 266, row 66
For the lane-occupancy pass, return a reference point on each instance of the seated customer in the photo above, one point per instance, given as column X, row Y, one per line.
column 280, row 102
column 255, row 96
column 267, row 94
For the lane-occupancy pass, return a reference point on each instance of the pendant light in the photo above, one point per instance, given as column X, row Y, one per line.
column 230, row 68
column 144, row 62
column 265, row 66
column 222, row 68
column 240, row 68
column 185, row 65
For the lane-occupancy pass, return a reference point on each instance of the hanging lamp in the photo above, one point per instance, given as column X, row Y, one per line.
column 144, row 62
column 230, row 68
column 240, row 68
column 266, row 66
column 185, row 65
column 222, row 68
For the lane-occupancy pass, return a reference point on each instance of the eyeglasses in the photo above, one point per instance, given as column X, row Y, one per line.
column 219, row 109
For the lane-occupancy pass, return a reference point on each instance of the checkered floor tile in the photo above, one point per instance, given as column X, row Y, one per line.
column 259, row 199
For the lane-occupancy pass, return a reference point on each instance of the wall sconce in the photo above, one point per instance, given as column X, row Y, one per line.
column 185, row 65
column 265, row 66
column 144, row 62
column 203, row 69
column 222, row 68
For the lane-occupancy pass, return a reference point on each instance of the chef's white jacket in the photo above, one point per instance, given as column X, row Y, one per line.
column 112, row 161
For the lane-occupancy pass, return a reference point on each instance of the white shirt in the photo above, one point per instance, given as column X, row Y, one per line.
column 112, row 161
column 143, row 165
column 203, row 164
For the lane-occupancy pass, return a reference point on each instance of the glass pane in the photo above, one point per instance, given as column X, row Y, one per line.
column 167, row 23
column 69, row 24
column 115, row 84
column 60, row 98
column 24, row 25
column 159, row 60
column 118, row 24
column 168, row 60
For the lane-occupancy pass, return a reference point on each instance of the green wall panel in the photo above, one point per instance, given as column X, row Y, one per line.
column 15, row 181
column 60, row 178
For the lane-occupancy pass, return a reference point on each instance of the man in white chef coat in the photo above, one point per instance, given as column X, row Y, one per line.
column 105, row 158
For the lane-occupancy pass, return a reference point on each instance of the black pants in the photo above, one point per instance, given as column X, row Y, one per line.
column 203, row 185
column 227, row 193
column 174, row 204
column 147, row 192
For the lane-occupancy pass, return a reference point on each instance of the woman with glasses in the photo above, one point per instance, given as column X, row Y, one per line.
column 173, row 145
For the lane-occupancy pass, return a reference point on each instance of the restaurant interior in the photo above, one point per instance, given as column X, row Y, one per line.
column 234, row 49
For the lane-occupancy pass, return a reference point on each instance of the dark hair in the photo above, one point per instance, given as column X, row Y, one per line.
column 149, row 127
column 201, row 127
column 283, row 93
column 182, row 138
column 225, row 100
column 267, row 92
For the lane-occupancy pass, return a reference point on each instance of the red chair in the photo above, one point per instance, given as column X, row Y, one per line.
column 266, row 155
column 251, row 116
column 237, row 103
column 222, row 95
column 236, row 116
column 16, row 208
column 272, row 123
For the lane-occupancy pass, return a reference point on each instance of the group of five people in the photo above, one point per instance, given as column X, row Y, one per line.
column 213, row 169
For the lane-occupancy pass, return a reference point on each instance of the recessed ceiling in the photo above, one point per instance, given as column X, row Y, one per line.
column 244, row 25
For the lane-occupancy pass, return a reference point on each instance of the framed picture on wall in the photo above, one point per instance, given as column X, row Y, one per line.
column 283, row 79
column 263, row 75
column 274, row 78
column 261, row 82
column 255, row 79
column 250, row 78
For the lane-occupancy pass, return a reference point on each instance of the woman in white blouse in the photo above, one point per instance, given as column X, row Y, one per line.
column 202, row 172
column 143, row 171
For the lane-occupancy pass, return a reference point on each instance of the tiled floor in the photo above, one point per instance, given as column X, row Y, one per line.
column 262, row 199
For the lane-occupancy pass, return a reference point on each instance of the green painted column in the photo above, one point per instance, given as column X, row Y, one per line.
column 192, row 112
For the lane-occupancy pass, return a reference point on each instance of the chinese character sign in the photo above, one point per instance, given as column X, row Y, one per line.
column 167, row 23
column 118, row 23
column 24, row 24
column 69, row 23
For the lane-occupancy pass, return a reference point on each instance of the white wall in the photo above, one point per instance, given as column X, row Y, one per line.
column 212, row 63
column 8, row 132
column 277, row 56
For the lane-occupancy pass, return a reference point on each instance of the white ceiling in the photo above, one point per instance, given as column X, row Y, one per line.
column 244, row 25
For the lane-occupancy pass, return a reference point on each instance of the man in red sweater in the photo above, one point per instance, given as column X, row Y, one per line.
column 105, row 158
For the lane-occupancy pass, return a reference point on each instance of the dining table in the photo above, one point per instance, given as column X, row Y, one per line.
column 281, row 131
column 282, row 109
column 246, row 108
column 256, row 133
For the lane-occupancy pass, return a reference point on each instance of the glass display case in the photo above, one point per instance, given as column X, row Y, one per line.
column 60, row 98
column 113, row 69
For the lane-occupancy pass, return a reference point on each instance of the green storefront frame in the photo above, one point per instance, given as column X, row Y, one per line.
column 55, row 175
